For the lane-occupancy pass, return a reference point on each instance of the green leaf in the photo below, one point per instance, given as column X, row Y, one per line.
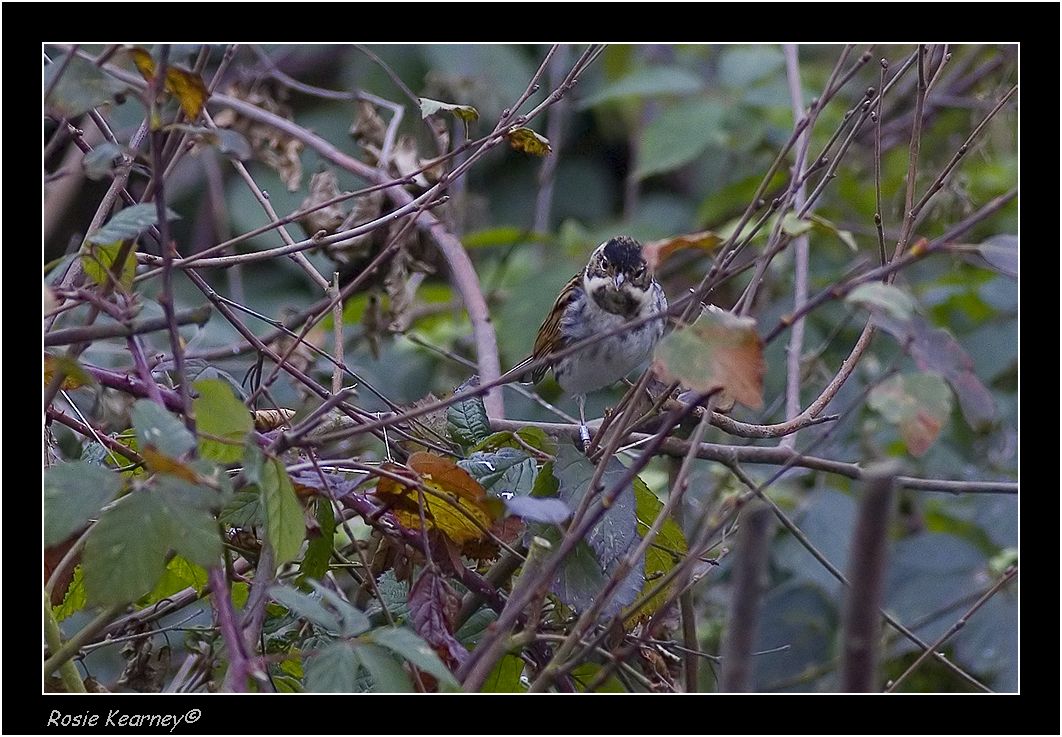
column 487, row 467
column 532, row 436
column 306, row 607
column 466, row 421
column 387, row 674
column 82, row 87
column 918, row 403
column 285, row 528
column 1001, row 251
column 466, row 113
column 74, row 493
column 160, row 429
column 794, row 226
column 333, row 669
column 192, row 530
column 244, row 509
column 319, row 550
column 646, row 82
column 585, row 674
column 719, row 350
column 679, row 135
column 352, row 621
column 409, row 646
column 534, row 509
column 99, row 162
column 546, row 483
column 667, row 549
column 827, row 226
column 743, row 66
column 503, row 235
column 505, row 678
column 615, row 532
column 74, row 600
column 178, row 576
column 125, row 553
column 878, row 295
column 128, row 224
column 98, row 261
column 222, row 421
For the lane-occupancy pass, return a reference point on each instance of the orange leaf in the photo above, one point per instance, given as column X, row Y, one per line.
column 162, row 463
column 454, row 502
column 718, row 351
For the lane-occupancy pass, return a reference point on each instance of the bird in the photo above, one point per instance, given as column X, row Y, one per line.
column 616, row 288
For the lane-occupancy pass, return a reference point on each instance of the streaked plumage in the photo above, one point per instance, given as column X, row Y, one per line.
column 614, row 289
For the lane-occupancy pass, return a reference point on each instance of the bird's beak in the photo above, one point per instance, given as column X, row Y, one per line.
column 618, row 280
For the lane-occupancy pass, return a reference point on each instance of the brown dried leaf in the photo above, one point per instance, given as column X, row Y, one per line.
column 719, row 350
column 324, row 186
column 407, row 161
column 369, row 130
column 656, row 252
column 272, row 147
column 270, row 419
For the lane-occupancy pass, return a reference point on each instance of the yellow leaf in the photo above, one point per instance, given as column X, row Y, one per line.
column 75, row 375
column 188, row 87
column 526, row 140
column 656, row 252
column 454, row 502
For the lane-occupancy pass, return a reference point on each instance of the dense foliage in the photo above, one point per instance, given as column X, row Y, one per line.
column 280, row 281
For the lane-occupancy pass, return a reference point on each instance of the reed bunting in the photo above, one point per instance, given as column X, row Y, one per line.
column 615, row 288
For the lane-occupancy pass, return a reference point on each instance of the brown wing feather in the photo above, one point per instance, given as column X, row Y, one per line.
column 549, row 337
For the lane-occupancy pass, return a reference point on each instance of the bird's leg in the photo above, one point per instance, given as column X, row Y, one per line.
column 584, row 431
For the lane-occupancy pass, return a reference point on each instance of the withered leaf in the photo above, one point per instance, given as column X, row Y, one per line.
column 656, row 252
column 324, row 186
column 187, row 86
column 526, row 140
column 719, row 350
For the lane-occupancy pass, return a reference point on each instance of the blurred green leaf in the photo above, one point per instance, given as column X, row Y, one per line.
column 878, row 295
column 1001, row 251
column 741, row 66
column 678, row 135
column 82, row 87
column 646, row 82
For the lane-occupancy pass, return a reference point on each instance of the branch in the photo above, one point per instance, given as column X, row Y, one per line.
column 753, row 548
column 776, row 455
column 87, row 333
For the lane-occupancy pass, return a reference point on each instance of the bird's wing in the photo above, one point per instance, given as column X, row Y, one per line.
column 549, row 337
